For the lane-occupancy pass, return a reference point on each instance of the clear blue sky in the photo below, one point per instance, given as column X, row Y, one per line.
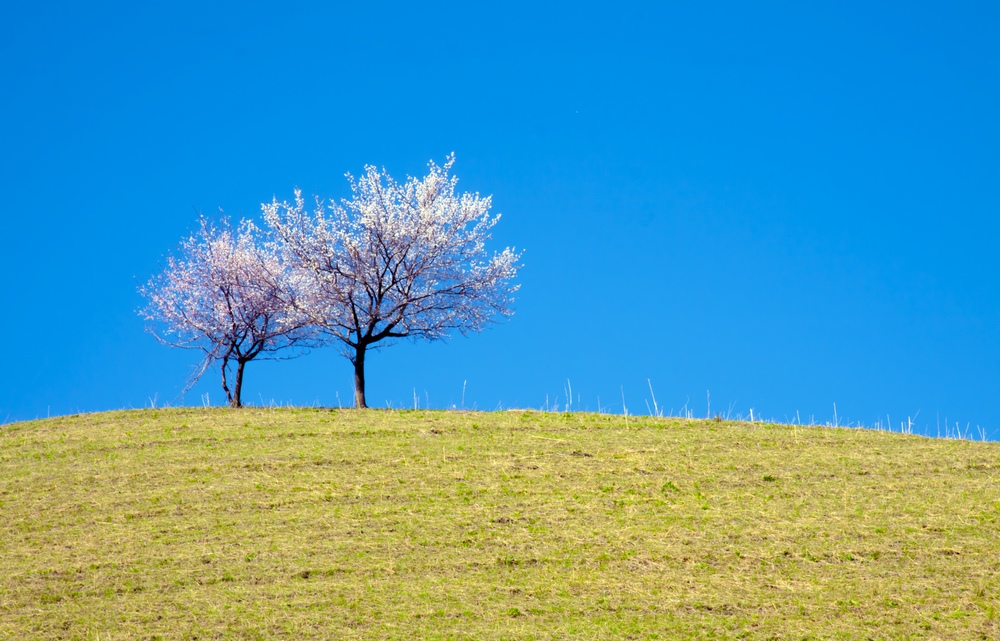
column 788, row 205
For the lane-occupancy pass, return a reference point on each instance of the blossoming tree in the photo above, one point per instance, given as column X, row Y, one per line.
column 396, row 260
column 229, row 295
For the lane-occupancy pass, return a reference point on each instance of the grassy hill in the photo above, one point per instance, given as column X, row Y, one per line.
column 320, row 524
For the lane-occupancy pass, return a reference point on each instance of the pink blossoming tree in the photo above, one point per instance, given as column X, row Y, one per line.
column 396, row 260
column 227, row 294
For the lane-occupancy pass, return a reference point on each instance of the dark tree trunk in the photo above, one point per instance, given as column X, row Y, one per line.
column 225, row 387
column 238, row 386
column 359, row 376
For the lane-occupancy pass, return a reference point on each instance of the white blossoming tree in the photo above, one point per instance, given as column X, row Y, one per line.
column 228, row 295
column 396, row 260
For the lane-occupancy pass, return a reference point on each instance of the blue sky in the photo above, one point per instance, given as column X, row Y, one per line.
column 787, row 206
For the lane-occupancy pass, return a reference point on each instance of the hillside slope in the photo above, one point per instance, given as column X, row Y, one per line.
column 322, row 524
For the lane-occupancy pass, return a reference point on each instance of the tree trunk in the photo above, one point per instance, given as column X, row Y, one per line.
column 225, row 387
column 359, row 377
column 238, row 386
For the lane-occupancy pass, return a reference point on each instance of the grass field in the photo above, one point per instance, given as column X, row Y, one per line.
column 326, row 524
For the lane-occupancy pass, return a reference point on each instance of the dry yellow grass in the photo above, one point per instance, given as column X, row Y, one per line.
column 318, row 524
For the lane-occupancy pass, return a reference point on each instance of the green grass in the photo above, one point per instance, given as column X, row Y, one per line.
column 318, row 524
